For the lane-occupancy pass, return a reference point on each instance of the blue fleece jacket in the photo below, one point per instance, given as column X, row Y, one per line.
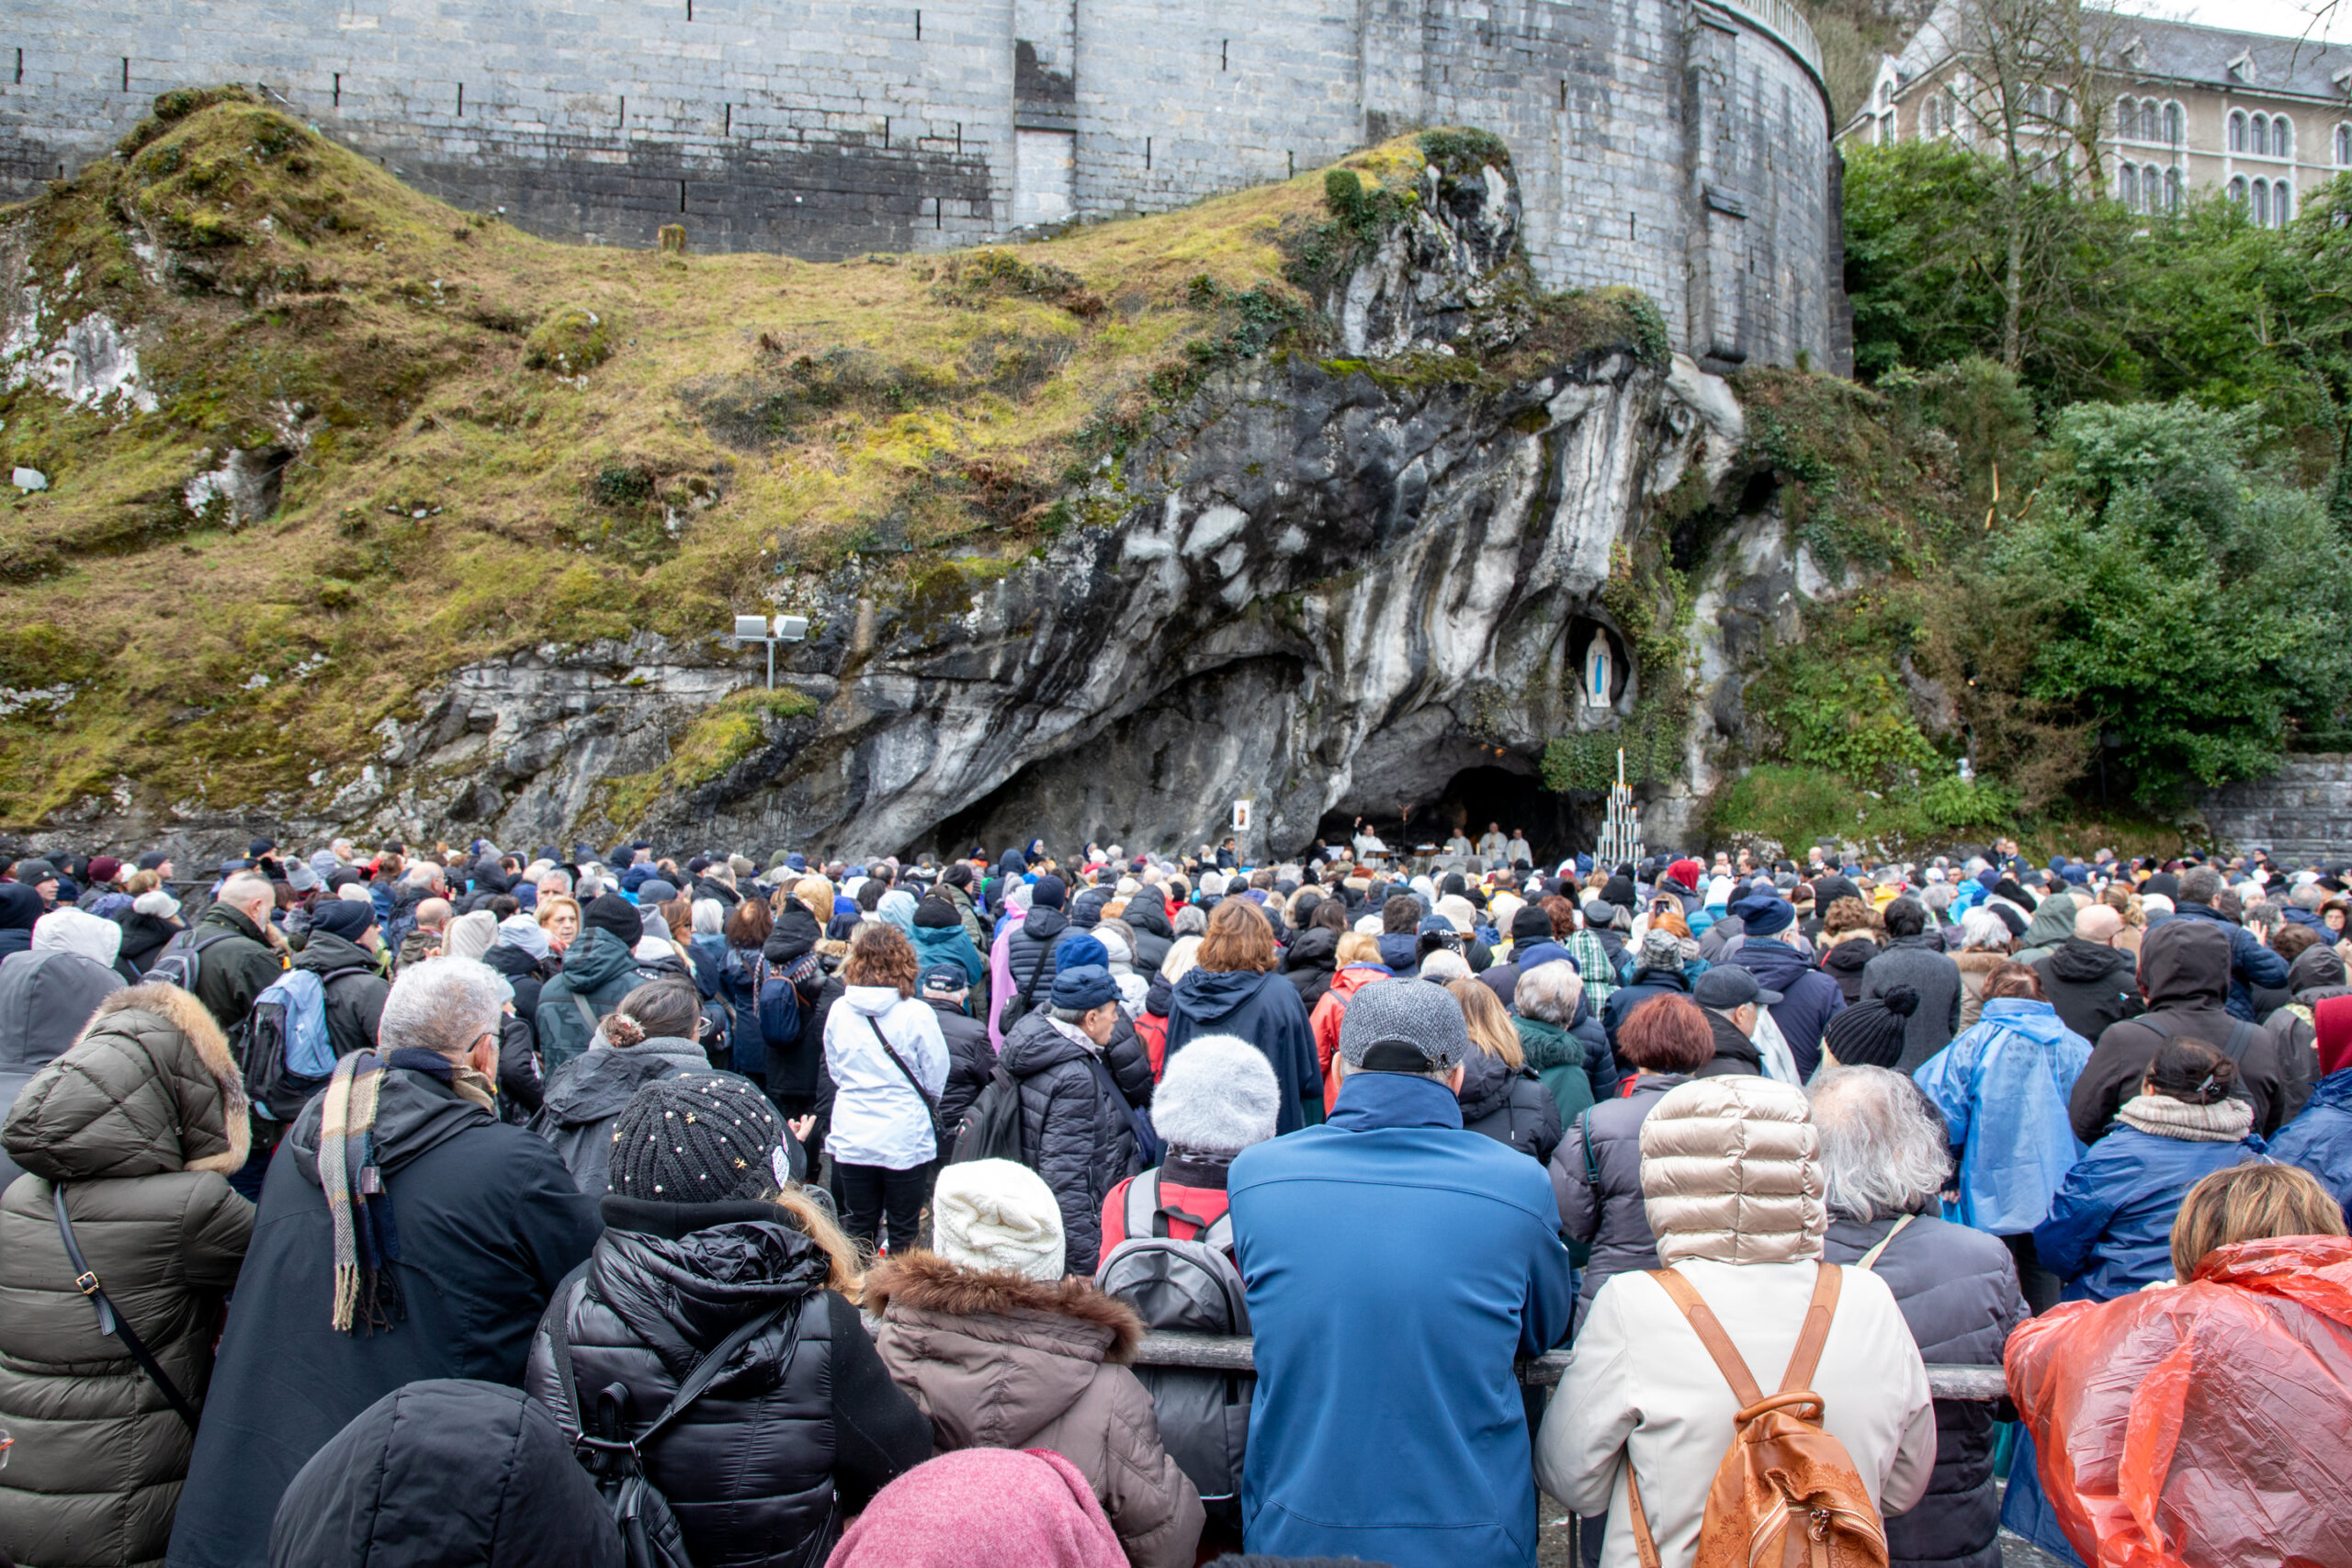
column 1396, row 1265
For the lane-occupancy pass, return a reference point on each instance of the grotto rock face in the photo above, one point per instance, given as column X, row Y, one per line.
column 1325, row 590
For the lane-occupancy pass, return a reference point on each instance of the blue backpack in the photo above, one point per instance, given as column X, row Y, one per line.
column 289, row 1056
column 781, row 1013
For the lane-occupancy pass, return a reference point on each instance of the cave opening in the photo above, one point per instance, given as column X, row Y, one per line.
column 1556, row 825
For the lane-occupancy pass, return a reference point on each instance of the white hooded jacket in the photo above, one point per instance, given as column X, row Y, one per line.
column 879, row 1119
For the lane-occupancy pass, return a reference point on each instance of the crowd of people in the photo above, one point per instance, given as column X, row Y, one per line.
column 420, row 1206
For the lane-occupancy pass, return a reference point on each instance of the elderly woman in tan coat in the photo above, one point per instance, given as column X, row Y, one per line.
column 1732, row 1184
column 137, row 1123
column 1001, row 1350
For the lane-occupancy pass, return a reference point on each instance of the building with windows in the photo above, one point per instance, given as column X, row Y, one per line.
column 2184, row 110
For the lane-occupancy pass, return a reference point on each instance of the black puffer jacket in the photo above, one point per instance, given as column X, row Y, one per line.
column 1074, row 1133
column 970, row 1061
column 761, row 1469
column 1308, row 963
column 1029, row 955
column 1597, row 1177
column 1958, row 1290
column 1510, row 1106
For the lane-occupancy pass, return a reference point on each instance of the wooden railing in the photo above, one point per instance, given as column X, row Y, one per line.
column 1541, row 1371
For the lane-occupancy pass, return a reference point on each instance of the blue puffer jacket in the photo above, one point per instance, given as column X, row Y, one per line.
column 2003, row 1088
column 2110, row 1230
column 2320, row 1140
column 2251, row 963
column 1809, row 999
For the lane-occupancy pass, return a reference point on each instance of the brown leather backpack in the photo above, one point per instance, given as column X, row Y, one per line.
column 1786, row 1494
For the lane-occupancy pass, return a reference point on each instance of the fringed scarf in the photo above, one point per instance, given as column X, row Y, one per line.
column 366, row 1292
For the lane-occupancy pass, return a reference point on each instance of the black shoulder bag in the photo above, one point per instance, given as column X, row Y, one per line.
column 110, row 1319
column 650, row 1534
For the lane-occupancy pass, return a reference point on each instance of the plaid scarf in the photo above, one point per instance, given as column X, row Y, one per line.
column 359, row 1206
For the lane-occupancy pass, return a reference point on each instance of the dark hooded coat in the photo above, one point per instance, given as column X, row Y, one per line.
column 141, row 1121
column 2316, row 975
column 1510, row 1106
column 794, row 1069
column 584, row 1096
column 1308, row 963
column 2251, row 963
column 598, row 970
column 489, row 1221
column 446, row 1471
column 45, row 1001
column 2185, row 972
column 1265, row 1010
column 2092, row 988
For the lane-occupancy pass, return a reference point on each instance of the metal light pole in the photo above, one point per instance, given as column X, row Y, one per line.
column 755, row 628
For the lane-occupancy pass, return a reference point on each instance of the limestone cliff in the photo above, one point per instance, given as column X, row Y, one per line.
column 1323, row 585
column 1312, row 502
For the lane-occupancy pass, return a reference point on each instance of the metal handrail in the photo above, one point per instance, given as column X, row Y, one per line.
column 1234, row 1355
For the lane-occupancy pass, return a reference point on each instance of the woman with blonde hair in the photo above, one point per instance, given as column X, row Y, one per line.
column 1233, row 989
column 706, row 1239
column 559, row 917
column 2244, row 1368
column 1500, row 1098
column 1359, row 965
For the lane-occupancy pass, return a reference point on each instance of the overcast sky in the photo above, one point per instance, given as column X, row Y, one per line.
column 2288, row 18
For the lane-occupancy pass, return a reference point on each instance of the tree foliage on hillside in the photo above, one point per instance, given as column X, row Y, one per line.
column 2147, row 595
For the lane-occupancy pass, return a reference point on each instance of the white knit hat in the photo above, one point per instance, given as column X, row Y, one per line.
column 1219, row 1097
column 994, row 1214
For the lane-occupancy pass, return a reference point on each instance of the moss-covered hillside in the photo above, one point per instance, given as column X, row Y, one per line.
column 372, row 437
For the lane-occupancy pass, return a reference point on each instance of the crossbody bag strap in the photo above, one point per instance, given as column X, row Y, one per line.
column 110, row 1318
column 1869, row 1260
column 1710, row 1330
column 929, row 1100
column 587, row 1013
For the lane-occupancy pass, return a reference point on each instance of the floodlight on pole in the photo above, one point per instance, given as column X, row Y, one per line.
column 756, row 628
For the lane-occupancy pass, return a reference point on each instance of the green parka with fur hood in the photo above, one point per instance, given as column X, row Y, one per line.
column 141, row 1120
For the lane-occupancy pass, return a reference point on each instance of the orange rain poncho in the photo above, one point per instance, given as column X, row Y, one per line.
column 2207, row 1425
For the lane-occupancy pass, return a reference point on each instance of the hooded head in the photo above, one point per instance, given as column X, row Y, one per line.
column 2185, row 964
column 2314, row 969
column 149, row 1087
column 443, row 1471
column 1731, row 1172
column 84, row 935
